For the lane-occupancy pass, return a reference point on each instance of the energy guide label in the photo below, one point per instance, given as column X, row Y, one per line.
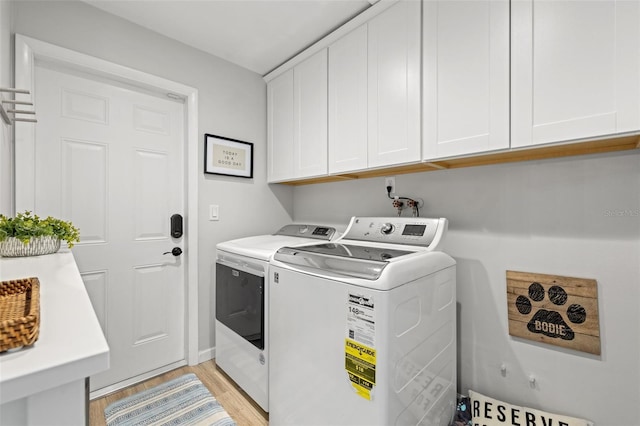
column 360, row 363
column 359, row 348
column 361, row 320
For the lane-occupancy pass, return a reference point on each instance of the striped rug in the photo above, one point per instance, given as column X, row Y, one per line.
column 181, row 401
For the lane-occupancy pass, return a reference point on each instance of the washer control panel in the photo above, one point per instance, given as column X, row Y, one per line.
column 397, row 230
column 308, row 231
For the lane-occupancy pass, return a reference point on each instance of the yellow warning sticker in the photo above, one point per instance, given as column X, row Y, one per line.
column 360, row 363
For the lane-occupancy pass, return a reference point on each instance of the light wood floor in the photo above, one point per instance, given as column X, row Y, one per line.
column 240, row 407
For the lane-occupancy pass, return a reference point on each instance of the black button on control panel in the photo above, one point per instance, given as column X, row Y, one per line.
column 320, row 231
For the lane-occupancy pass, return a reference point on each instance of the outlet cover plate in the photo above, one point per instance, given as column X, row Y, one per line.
column 390, row 181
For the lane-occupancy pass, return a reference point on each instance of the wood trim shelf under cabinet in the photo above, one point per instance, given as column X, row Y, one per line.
column 619, row 143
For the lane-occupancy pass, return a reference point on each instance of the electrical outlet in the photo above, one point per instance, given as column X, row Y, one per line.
column 390, row 181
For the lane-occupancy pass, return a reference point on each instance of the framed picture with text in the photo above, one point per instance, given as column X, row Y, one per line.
column 226, row 156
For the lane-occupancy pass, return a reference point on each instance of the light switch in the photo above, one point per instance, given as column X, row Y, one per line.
column 213, row 212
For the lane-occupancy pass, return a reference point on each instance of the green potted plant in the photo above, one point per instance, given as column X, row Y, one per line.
column 29, row 235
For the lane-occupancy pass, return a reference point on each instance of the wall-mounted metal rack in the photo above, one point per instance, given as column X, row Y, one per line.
column 12, row 109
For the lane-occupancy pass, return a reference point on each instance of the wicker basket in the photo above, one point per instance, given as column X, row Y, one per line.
column 13, row 247
column 19, row 312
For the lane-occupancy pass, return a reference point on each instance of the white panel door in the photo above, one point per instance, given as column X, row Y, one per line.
column 280, row 127
column 110, row 159
column 575, row 69
column 348, row 102
column 310, row 116
column 394, row 85
column 466, row 77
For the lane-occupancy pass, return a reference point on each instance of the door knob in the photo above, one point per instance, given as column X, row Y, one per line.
column 176, row 251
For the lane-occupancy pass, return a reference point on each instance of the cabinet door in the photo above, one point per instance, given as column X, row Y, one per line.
column 394, row 85
column 310, row 116
column 575, row 69
column 466, row 77
column 348, row 102
column 280, row 127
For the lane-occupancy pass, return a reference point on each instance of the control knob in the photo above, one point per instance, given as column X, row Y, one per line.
column 387, row 228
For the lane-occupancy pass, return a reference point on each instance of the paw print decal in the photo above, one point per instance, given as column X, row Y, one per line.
column 551, row 323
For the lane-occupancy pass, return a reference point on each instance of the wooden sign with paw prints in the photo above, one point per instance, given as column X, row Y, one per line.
column 553, row 309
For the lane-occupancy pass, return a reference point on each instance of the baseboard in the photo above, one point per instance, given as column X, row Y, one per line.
column 206, row 355
column 98, row 393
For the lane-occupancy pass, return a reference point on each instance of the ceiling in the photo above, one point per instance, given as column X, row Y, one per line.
column 255, row 34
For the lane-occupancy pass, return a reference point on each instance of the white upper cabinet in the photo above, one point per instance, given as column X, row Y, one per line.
column 409, row 81
column 348, row 144
column 466, row 77
column 280, row 127
column 297, row 121
column 310, row 116
column 374, row 92
column 393, row 55
column 575, row 69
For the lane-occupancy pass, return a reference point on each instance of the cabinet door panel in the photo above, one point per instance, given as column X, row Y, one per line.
column 394, row 85
column 348, row 102
column 575, row 69
column 310, row 116
column 466, row 77
column 280, row 127
column 628, row 66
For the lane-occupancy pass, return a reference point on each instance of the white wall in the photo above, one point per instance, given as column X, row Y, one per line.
column 232, row 103
column 576, row 217
column 6, row 80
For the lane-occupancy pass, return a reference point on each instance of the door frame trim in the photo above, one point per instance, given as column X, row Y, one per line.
column 27, row 51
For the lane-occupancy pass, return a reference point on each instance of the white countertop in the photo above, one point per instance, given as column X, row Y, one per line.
column 71, row 345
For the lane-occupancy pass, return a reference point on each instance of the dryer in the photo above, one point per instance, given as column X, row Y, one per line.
column 242, row 308
column 362, row 329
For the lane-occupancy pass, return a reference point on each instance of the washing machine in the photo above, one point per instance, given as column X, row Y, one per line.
column 242, row 308
column 362, row 329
